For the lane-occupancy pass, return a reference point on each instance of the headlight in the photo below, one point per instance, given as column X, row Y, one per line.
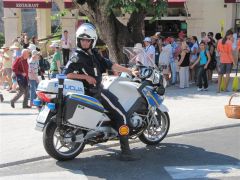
column 156, row 78
column 145, row 73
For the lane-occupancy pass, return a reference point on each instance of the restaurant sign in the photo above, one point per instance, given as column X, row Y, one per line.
column 27, row 4
column 232, row 1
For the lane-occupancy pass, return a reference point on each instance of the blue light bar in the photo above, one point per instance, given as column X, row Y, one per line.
column 51, row 106
column 36, row 102
column 61, row 76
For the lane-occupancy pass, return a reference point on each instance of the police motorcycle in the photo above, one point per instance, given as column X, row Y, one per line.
column 70, row 119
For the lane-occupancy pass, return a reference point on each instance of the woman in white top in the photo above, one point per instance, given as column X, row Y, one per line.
column 164, row 58
column 150, row 51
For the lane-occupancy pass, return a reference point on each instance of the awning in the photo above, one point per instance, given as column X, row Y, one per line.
column 33, row 4
column 27, row 4
column 232, row 1
column 68, row 4
column 176, row 3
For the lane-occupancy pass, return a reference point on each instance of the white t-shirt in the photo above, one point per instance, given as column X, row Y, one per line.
column 150, row 51
column 66, row 43
column 33, row 69
column 194, row 56
column 165, row 55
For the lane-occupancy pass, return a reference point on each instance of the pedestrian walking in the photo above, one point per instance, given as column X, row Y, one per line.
column 20, row 67
column 7, row 66
column 16, row 48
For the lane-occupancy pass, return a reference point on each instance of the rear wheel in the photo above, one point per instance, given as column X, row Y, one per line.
column 156, row 132
column 57, row 142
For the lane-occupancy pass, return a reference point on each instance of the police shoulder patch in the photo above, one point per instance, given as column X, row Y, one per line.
column 74, row 58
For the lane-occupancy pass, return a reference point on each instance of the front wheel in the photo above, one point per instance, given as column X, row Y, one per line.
column 54, row 141
column 156, row 132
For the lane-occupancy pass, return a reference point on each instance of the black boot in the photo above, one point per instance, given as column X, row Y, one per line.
column 126, row 154
column 1, row 98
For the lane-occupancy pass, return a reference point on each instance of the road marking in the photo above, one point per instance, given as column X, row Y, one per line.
column 73, row 175
column 208, row 171
column 111, row 144
column 18, row 114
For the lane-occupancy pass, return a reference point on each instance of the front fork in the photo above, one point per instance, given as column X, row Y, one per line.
column 152, row 116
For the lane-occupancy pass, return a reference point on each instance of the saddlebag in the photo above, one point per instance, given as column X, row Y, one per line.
column 83, row 110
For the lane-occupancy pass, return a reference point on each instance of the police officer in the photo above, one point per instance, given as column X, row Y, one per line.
column 87, row 65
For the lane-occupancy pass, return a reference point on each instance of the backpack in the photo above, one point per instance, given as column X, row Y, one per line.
column 213, row 63
column 44, row 64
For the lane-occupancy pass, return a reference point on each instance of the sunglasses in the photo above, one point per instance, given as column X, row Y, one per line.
column 87, row 40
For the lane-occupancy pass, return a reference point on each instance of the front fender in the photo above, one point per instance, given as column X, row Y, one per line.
column 163, row 108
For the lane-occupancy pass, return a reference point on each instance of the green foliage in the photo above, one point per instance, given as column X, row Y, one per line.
column 59, row 15
column 156, row 7
column 2, row 39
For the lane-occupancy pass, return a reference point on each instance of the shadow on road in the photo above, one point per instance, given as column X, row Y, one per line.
column 152, row 163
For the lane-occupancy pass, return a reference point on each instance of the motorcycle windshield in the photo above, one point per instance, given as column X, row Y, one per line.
column 138, row 56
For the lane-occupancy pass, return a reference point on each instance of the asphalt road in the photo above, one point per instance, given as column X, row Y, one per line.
column 204, row 155
column 22, row 155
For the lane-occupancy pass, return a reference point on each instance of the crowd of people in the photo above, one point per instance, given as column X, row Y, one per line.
column 22, row 66
column 186, row 60
column 183, row 60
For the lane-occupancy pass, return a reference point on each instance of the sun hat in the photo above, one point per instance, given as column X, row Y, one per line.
column 35, row 52
column 4, row 46
column 168, row 39
column 16, row 45
column 138, row 47
column 54, row 45
column 147, row 39
column 32, row 47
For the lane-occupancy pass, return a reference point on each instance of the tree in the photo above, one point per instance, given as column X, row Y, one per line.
column 2, row 39
column 103, row 14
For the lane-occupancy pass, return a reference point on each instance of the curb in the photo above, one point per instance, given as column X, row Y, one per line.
column 103, row 147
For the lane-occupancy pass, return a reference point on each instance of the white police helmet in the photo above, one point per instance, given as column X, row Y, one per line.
column 86, row 31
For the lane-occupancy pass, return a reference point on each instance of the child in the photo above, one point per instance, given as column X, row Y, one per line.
column 204, row 58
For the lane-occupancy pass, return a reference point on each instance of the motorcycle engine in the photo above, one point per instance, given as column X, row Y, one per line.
column 136, row 121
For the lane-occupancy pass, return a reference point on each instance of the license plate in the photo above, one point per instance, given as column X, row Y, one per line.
column 42, row 116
